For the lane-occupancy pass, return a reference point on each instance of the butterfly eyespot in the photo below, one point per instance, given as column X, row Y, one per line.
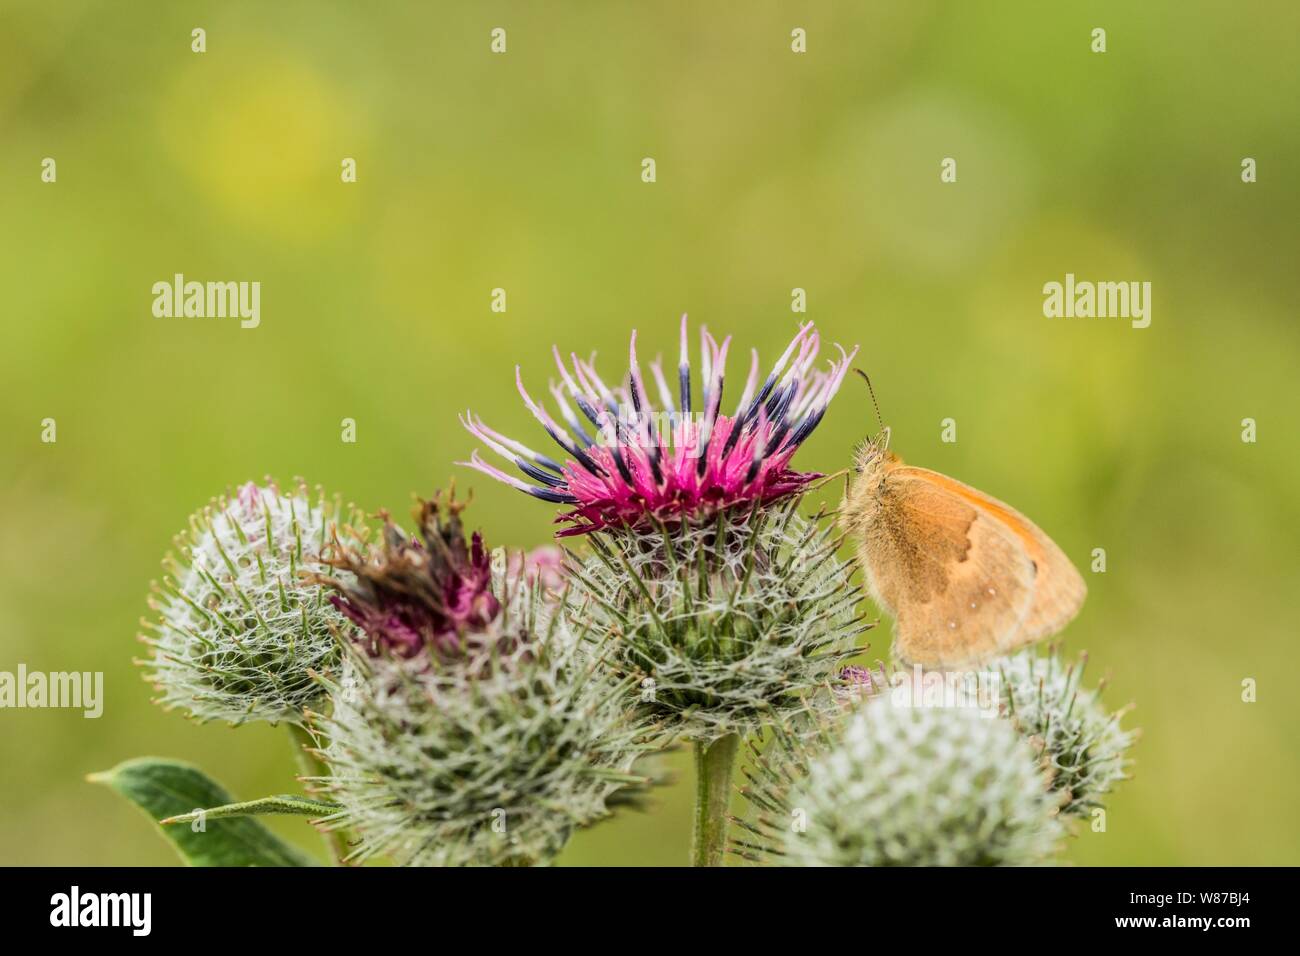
column 952, row 625
column 973, row 605
column 991, row 592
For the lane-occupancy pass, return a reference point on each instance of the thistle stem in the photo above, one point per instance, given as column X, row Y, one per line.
column 309, row 765
column 713, row 766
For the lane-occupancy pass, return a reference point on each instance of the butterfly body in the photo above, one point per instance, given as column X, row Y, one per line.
column 966, row 577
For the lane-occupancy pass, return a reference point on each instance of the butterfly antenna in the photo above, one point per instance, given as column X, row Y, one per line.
column 876, row 405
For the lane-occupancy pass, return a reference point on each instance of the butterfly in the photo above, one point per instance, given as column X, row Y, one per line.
column 965, row 576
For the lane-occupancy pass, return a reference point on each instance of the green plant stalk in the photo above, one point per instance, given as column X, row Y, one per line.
column 309, row 765
column 713, row 768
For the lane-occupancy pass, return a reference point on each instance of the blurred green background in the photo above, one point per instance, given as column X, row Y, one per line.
column 775, row 171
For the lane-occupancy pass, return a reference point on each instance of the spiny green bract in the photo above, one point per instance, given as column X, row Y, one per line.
column 1082, row 741
column 239, row 632
column 901, row 786
column 490, row 759
column 725, row 627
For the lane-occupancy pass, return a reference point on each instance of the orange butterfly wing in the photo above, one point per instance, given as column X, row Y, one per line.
column 1059, row 590
column 956, row 580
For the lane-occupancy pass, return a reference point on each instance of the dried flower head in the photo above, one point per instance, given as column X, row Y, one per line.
column 481, row 737
column 683, row 460
column 240, row 632
column 1082, row 741
column 900, row 786
column 410, row 594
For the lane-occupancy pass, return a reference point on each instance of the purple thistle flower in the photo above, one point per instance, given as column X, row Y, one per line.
column 417, row 594
column 630, row 462
column 857, row 677
column 857, row 681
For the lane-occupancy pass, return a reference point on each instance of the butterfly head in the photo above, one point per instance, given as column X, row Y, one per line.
column 874, row 452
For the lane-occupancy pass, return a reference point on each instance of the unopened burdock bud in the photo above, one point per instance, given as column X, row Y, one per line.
column 240, row 633
column 902, row 786
column 1082, row 741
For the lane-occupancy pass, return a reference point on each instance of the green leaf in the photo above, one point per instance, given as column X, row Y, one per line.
column 166, row 789
column 283, row 803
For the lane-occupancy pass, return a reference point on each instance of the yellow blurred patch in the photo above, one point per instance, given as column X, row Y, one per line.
column 258, row 136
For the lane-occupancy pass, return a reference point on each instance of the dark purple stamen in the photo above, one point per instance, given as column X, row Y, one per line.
column 584, row 406
column 536, row 473
column 758, row 399
column 552, row 496
column 581, row 456
column 805, row 428
column 575, row 426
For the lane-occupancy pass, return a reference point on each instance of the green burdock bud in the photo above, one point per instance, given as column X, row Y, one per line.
column 471, row 725
column 726, row 627
column 1081, row 740
column 240, row 633
column 901, row 786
